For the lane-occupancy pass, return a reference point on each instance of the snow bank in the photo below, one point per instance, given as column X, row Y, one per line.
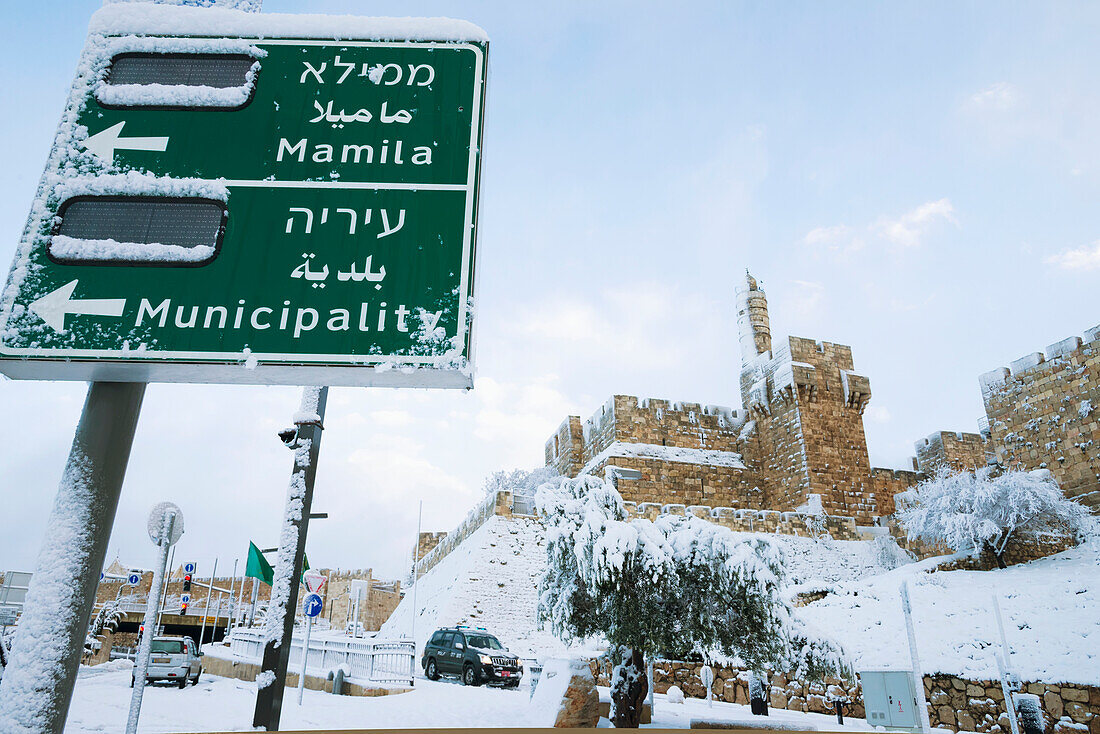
column 149, row 19
column 546, row 701
column 622, row 449
column 1049, row 609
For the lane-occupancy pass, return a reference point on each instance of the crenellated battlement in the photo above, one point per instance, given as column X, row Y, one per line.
column 1043, row 412
column 1072, row 347
column 630, row 419
column 956, row 450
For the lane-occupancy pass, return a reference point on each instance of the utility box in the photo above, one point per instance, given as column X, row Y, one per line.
column 890, row 699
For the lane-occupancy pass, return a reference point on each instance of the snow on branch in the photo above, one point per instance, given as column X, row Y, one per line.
column 966, row 510
column 675, row 586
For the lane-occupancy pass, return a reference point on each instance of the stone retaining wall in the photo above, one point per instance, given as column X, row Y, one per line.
column 953, row 703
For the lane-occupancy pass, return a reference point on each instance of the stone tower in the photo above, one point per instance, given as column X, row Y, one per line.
column 807, row 403
column 752, row 319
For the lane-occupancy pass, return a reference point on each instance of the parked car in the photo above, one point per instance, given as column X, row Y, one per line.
column 175, row 659
column 472, row 654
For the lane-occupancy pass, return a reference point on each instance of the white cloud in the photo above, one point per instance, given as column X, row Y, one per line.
column 1086, row 257
column 805, row 300
column 1000, row 96
column 909, row 229
column 835, row 238
column 905, row 231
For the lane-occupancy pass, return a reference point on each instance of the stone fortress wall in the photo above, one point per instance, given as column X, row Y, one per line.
column 1044, row 413
column 800, row 443
column 956, row 451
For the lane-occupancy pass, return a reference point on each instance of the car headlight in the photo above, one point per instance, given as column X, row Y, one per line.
column 486, row 660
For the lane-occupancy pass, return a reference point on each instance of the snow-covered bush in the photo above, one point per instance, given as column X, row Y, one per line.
column 674, row 694
column 109, row 617
column 978, row 510
column 675, row 586
column 888, row 553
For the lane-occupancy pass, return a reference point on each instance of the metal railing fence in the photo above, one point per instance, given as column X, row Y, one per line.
column 366, row 660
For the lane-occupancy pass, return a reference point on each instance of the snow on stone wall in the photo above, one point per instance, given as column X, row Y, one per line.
column 1036, row 418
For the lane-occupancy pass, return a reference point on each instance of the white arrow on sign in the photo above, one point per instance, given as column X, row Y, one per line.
column 52, row 307
column 105, row 142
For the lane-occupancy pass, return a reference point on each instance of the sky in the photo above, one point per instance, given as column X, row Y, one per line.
column 915, row 180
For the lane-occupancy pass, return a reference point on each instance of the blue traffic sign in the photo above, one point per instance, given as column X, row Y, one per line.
column 133, row 579
column 186, row 599
column 189, row 567
column 312, row 605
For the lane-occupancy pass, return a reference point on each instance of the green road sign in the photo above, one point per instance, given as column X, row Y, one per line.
column 261, row 208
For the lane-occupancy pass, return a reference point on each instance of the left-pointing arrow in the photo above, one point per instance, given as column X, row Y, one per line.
column 53, row 306
column 105, row 142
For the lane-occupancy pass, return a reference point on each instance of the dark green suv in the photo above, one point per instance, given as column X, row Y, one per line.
column 472, row 654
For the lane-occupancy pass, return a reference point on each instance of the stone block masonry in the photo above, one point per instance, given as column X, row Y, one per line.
column 954, row 703
column 1044, row 413
column 956, row 451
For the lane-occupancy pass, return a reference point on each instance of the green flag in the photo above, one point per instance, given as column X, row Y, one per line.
column 258, row 567
column 305, row 567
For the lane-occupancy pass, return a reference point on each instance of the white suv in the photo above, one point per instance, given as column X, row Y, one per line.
column 174, row 659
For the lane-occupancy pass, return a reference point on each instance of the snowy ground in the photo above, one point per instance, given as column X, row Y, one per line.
column 102, row 698
column 1049, row 607
column 491, row 580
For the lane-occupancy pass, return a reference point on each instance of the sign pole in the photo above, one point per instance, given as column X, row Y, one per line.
column 918, row 676
column 416, row 570
column 206, row 608
column 229, row 600
column 305, row 659
column 167, row 578
column 279, row 622
column 37, row 689
column 170, row 528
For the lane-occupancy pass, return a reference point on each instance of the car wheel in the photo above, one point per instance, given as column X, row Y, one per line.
column 197, row 676
column 183, row 682
column 469, row 676
column 431, row 671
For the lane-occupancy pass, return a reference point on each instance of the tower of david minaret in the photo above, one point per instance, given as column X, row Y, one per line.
column 807, row 405
column 752, row 319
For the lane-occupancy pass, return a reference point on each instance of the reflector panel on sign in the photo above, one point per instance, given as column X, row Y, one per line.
column 220, row 71
column 137, row 231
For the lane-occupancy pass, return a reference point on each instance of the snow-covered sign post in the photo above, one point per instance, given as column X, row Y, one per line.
column 165, row 527
column 247, row 198
column 674, row 586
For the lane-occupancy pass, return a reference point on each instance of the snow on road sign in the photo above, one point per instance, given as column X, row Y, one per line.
column 311, row 223
column 314, row 581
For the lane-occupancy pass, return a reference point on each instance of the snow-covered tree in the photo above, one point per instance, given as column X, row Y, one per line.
column 676, row 586
column 978, row 510
column 518, row 481
column 108, row 619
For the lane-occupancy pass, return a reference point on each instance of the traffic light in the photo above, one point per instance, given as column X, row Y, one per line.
column 183, row 607
column 141, row 631
column 186, row 583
